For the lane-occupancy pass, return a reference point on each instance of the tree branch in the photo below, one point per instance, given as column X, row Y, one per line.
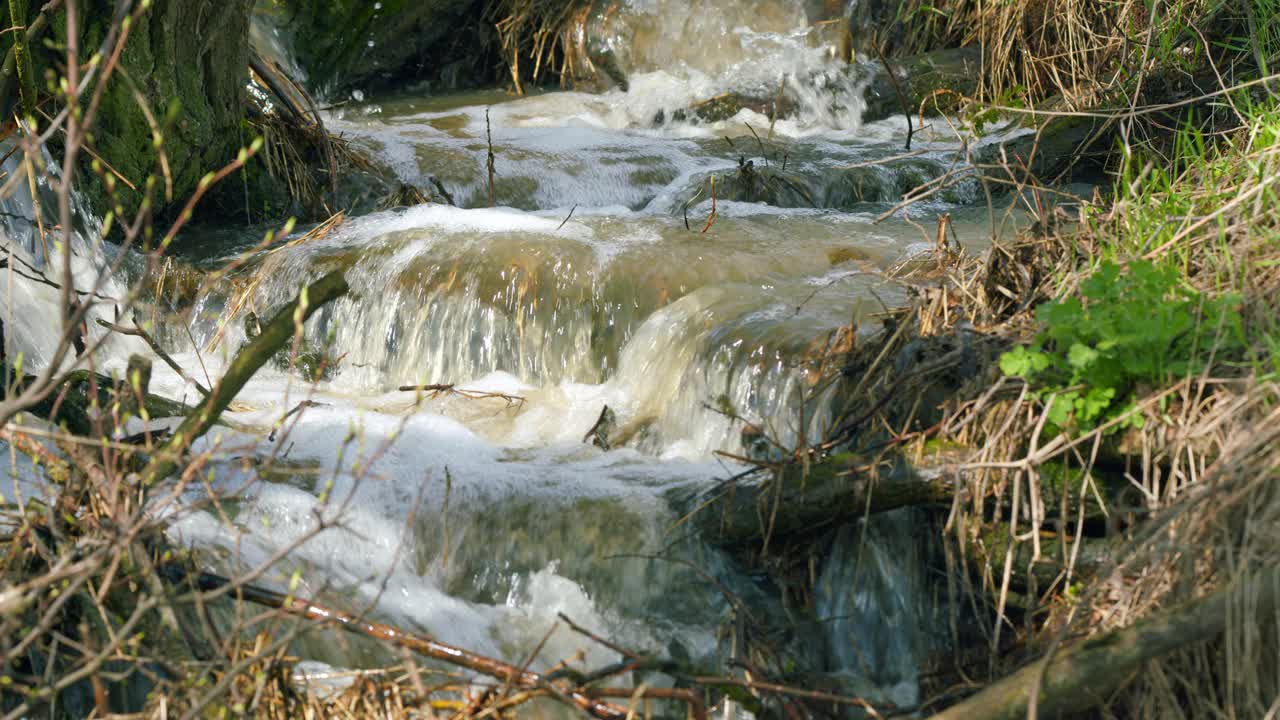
column 253, row 356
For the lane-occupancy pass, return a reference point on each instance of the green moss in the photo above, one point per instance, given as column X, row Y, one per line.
column 194, row 90
column 943, row 446
column 653, row 176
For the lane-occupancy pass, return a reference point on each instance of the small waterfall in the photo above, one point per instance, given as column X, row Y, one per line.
column 874, row 596
column 29, row 286
column 609, row 274
column 761, row 76
column 791, row 54
column 711, row 38
column 689, row 347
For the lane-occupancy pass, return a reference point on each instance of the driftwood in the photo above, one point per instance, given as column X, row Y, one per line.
column 799, row 500
column 253, row 356
column 435, row 390
column 1083, row 674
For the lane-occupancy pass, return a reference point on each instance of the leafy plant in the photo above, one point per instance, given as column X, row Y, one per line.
column 1131, row 326
column 983, row 115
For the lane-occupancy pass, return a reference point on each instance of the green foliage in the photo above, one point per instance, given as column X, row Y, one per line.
column 984, row 115
column 1129, row 327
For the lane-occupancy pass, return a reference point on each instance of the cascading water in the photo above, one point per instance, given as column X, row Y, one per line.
column 33, row 265
column 602, row 278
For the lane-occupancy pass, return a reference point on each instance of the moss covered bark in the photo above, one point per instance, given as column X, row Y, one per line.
column 801, row 500
column 186, row 61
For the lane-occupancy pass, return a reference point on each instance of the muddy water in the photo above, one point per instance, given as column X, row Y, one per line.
column 601, row 277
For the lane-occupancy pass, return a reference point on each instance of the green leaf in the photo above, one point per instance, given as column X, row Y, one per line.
column 1023, row 362
column 1060, row 409
column 1081, row 356
column 1093, row 404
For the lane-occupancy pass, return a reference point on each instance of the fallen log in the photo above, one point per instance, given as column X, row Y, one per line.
column 1066, row 139
column 991, row 549
column 799, row 499
column 253, row 356
column 1083, row 674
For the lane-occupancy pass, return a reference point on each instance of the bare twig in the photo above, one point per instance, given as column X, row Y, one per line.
column 159, row 351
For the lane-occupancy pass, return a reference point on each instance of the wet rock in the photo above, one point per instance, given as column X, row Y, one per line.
column 889, row 183
column 754, row 184
column 835, row 188
column 606, row 61
column 765, row 185
column 941, row 79
column 861, row 185
column 725, row 106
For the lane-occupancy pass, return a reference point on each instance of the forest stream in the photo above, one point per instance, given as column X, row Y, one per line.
column 488, row 497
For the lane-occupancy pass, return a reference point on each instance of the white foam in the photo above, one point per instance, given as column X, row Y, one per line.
column 449, row 219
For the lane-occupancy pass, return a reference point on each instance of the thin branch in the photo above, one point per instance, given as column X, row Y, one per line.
column 253, row 356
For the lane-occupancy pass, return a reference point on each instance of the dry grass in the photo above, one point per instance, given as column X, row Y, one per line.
column 298, row 155
column 540, row 37
column 269, row 261
column 1081, row 50
column 1060, row 535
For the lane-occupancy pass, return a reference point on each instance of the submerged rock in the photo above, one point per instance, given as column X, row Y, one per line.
column 726, row 105
column 840, row 188
column 891, row 182
column 753, row 184
column 941, row 80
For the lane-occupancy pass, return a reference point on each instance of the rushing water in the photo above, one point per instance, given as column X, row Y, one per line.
column 597, row 280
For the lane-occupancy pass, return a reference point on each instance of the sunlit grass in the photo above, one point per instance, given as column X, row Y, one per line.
column 1209, row 207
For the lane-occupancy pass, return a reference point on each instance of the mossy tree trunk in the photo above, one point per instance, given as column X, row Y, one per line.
column 187, row 60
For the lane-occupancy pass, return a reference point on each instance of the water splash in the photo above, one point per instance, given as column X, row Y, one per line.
column 30, row 286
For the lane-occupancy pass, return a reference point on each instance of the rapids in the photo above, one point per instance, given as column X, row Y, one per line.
column 591, row 283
